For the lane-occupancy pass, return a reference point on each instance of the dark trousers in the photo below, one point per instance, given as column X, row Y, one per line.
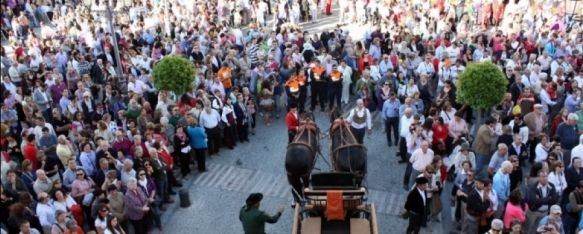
column 392, row 123
column 408, row 171
column 140, row 226
column 290, row 136
column 318, row 95
column 184, row 162
column 171, row 179
column 415, row 223
column 335, row 95
column 162, row 188
column 243, row 132
column 403, row 148
column 214, row 139
column 229, row 136
column 200, row 155
column 358, row 134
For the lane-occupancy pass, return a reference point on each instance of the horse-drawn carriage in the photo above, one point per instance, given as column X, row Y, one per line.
column 334, row 204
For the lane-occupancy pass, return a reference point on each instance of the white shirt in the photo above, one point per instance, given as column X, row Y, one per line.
column 577, row 152
column 422, row 196
column 138, row 87
column 211, row 120
column 46, row 215
column 541, row 153
column 227, row 110
column 405, row 123
column 558, row 181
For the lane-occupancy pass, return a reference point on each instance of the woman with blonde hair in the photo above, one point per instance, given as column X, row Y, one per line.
column 103, row 131
column 65, row 149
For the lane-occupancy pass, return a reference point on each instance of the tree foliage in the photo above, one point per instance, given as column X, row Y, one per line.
column 481, row 86
column 174, row 73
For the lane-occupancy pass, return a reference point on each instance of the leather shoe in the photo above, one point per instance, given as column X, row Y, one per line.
column 172, row 193
column 402, row 161
column 178, row 185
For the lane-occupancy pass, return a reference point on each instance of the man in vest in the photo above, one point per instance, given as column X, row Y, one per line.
column 318, row 85
column 292, row 121
column 335, row 87
column 292, row 88
column 224, row 75
column 360, row 120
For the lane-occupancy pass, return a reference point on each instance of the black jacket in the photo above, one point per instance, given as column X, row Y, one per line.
column 475, row 205
column 535, row 197
column 415, row 203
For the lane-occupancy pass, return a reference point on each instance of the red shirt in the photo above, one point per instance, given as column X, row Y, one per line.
column 439, row 134
column 30, row 152
column 167, row 158
column 292, row 122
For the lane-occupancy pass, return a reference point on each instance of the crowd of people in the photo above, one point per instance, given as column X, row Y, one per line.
column 89, row 144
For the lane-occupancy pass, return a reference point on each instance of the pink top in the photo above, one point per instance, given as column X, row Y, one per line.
column 513, row 212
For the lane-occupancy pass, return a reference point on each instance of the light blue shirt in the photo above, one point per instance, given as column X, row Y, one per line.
column 88, row 162
column 572, row 104
column 501, row 185
column 391, row 108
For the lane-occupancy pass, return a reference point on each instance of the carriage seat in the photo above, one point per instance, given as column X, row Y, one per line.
column 359, row 226
column 351, row 199
column 312, row 225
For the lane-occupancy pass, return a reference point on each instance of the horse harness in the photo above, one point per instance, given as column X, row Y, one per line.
column 307, row 126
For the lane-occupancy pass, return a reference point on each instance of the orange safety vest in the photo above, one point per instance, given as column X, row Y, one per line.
column 318, row 71
column 336, row 76
column 293, row 84
column 225, row 77
column 301, row 79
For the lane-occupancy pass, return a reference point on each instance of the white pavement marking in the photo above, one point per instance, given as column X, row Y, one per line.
column 232, row 178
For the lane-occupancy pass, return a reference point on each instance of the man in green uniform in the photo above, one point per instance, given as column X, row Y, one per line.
column 252, row 218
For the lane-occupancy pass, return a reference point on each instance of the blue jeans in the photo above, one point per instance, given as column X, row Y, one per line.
column 481, row 160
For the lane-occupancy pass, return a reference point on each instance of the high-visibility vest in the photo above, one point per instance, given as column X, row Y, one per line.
column 336, row 76
column 293, row 84
column 225, row 77
column 318, row 71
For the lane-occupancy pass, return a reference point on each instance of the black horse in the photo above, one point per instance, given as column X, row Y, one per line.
column 346, row 154
column 301, row 156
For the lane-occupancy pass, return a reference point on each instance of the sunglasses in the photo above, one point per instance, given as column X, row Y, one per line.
column 79, row 174
column 103, row 210
column 142, row 174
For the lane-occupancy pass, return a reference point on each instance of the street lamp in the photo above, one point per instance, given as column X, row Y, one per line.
column 109, row 14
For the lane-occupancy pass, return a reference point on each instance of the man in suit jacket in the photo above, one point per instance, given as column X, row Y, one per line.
column 483, row 143
column 478, row 203
column 518, row 148
column 416, row 205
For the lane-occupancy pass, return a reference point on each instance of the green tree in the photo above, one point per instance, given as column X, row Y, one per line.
column 174, row 73
column 481, row 86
